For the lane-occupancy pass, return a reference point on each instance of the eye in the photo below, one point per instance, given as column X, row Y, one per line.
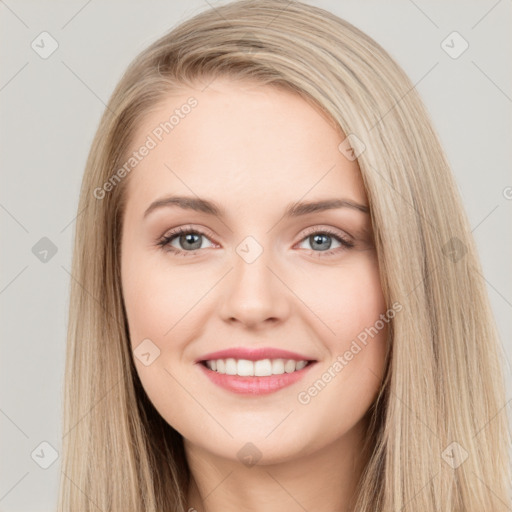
column 189, row 241
column 320, row 239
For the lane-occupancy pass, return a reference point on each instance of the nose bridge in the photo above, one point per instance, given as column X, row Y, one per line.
column 252, row 261
column 251, row 267
column 255, row 294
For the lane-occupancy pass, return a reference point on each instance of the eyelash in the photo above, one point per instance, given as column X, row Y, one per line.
column 165, row 241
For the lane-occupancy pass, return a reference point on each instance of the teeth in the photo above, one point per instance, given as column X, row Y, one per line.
column 289, row 366
column 301, row 365
column 245, row 368
column 260, row 368
column 231, row 366
column 277, row 366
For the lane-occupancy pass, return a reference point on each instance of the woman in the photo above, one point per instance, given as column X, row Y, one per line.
column 263, row 366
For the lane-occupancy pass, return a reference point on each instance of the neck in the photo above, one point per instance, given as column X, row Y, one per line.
column 324, row 481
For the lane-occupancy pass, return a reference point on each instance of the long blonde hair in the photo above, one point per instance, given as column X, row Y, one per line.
column 439, row 436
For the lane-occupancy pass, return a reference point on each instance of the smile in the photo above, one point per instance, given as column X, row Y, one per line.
column 254, row 377
column 259, row 368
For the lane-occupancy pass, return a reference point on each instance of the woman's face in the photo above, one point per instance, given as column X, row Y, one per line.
column 251, row 273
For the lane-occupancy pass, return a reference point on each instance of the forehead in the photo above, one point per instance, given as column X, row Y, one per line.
column 237, row 142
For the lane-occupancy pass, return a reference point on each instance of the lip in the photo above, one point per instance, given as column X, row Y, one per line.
column 255, row 385
column 254, row 354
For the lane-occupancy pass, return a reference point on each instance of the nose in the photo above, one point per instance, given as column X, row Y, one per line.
column 255, row 295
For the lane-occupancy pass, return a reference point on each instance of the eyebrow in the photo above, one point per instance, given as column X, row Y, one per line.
column 296, row 209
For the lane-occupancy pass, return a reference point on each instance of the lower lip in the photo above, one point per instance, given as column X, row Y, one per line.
column 255, row 385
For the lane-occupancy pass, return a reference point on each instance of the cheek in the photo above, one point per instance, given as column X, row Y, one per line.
column 151, row 306
column 351, row 308
column 156, row 310
column 157, row 296
column 347, row 299
column 350, row 377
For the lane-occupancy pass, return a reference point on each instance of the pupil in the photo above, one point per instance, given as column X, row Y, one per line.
column 317, row 237
column 189, row 238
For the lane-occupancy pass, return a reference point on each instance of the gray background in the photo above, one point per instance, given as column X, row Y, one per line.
column 50, row 109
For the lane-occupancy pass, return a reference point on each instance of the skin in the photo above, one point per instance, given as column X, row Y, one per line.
column 254, row 149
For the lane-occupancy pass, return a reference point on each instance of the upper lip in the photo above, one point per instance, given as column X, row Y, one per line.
column 253, row 354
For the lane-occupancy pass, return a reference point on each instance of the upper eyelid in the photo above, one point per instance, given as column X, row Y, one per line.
column 187, row 229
